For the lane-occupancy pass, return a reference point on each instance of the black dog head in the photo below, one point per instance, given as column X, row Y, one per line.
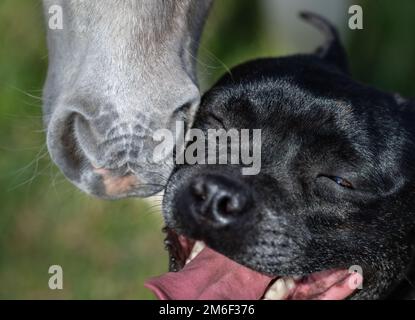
column 337, row 174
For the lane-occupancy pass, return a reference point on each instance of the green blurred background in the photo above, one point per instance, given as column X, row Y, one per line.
column 107, row 249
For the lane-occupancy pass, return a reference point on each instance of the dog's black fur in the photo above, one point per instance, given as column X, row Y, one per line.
column 337, row 182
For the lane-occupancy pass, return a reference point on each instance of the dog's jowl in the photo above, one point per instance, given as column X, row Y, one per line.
column 335, row 189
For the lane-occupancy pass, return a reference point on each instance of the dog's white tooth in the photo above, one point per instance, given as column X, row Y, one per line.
column 197, row 248
column 289, row 283
column 199, row 245
column 296, row 278
column 277, row 291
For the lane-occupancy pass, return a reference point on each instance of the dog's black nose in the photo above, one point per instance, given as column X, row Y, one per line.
column 218, row 200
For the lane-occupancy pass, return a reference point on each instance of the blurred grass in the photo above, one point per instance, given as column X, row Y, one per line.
column 108, row 249
column 383, row 53
column 234, row 33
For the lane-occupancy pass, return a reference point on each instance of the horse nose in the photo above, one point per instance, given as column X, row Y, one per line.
column 218, row 200
column 109, row 148
column 105, row 156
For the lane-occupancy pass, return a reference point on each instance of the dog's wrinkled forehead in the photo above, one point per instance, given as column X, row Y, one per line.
column 281, row 106
column 304, row 105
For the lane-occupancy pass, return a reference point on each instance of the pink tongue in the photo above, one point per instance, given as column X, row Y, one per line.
column 210, row 276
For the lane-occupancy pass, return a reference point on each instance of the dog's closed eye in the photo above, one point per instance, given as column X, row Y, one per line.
column 339, row 180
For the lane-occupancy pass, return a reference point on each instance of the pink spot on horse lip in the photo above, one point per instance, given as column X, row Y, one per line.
column 101, row 171
column 116, row 185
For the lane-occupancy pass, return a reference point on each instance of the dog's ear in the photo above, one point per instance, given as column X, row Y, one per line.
column 332, row 50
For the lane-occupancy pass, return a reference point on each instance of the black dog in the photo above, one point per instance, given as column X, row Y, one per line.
column 336, row 188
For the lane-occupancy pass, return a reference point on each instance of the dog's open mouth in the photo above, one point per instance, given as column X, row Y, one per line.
column 200, row 273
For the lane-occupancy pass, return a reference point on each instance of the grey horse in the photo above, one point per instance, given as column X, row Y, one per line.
column 118, row 71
